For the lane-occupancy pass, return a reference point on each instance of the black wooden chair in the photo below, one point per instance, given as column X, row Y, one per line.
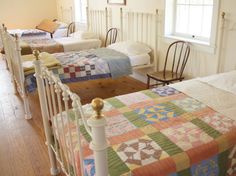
column 70, row 29
column 111, row 36
column 179, row 53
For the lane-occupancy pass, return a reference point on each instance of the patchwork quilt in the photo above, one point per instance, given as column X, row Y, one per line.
column 161, row 132
column 33, row 32
column 79, row 66
column 86, row 65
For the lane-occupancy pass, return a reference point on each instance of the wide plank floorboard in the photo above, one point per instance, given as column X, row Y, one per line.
column 22, row 143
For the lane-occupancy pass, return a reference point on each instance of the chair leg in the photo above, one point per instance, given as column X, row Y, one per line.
column 148, row 82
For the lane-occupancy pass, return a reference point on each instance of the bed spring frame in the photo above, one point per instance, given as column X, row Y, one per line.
column 55, row 98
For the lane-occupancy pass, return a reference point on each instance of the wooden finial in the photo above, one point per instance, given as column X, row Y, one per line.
column 223, row 15
column 3, row 25
column 97, row 105
column 36, row 54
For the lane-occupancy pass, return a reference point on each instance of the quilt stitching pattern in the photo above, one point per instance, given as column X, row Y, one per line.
column 175, row 133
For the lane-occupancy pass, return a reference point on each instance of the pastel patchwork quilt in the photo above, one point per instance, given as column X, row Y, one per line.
column 75, row 66
column 83, row 65
column 161, row 132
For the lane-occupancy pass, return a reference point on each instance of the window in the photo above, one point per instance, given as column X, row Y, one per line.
column 194, row 20
column 80, row 11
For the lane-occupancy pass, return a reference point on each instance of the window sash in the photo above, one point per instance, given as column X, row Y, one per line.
column 200, row 34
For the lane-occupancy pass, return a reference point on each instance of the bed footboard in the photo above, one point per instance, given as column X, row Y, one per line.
column 61, row 111
column 14, row 61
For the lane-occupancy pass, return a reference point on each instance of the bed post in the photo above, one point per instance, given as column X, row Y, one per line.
column 99, row 143
column 156, row 58
column 6, row 40
column 22, row 81
column 45, row 114
column 1, row 34
column 121, row 24
column 220, row 41
column 106, row 17
column 8, row 56
column 88, row 18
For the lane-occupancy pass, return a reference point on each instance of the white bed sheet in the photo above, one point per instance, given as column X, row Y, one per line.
column 139, row 60
column 225, row 81
column 75, row 44
column 60, row 33
column 220, row 98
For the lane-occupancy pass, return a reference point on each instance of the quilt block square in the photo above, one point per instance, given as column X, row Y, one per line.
column 133, row 98
column 206, row 167
column 159, row 112
column 89, row 166
column 189, row 104
column 149, row 129
column 142, row 104
column 187, row 136
column 220, row 122
column 118, row 125
column 124, row 109
column 116, row 103
column 165, row 91
column 140, row 152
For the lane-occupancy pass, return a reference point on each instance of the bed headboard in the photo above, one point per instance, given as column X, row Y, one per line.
column 66, row 14
column 99, row 21
column 141, row 27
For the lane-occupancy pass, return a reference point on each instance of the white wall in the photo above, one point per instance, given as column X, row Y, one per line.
column 201, row 63
column 26, row 13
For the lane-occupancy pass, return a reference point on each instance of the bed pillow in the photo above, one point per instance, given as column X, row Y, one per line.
column 62, row 25
column 84, row 35
column 131, row 48
column 225, row 81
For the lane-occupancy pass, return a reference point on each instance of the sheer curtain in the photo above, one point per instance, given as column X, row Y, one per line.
column 80, row 14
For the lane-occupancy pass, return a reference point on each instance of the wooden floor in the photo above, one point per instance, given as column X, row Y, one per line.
column 22, row 148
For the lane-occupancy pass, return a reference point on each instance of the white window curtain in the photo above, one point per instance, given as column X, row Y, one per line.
column 80, row 11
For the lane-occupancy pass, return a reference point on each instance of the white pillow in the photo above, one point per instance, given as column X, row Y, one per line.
column 225, row 81
column 62, row 25
column 84, row 35
column 130, row 48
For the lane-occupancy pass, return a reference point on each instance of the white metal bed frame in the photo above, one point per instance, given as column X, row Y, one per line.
column 66, row 14
column 51, row 106
column 98, row 21
column 54, row 98
column 143, row 20
column 14, row 62
column 13, row 56
column 141, row 27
